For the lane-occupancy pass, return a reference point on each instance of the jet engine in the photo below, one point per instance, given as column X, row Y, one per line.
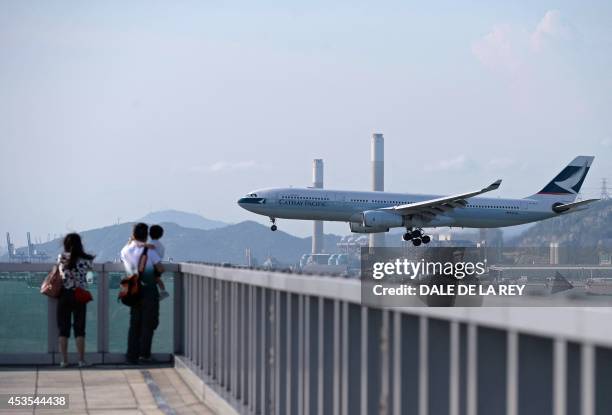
column 556, row 207
column 359, row 228
column 381, row 218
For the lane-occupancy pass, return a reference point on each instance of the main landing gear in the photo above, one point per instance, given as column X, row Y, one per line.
column 416, row 236
column 273, row 227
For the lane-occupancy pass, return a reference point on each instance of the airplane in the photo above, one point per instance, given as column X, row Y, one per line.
column 374, row 212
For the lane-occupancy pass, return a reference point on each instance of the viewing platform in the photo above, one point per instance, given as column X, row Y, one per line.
column 106, row 389
column 235, row 340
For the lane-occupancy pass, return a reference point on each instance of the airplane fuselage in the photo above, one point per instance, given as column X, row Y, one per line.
column 348, row 206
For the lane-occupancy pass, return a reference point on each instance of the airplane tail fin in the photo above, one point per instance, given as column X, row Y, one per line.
column 566, row 185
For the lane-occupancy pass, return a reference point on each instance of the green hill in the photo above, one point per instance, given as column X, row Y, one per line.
column 588, row 228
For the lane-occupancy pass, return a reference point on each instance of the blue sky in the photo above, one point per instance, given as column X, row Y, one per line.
column 110, row 110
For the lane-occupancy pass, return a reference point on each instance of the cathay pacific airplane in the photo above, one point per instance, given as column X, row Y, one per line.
column 373, row 212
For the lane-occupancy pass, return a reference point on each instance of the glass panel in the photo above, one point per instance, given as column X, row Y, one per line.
column 23, row 313
column 119, row 318
column 91, row 320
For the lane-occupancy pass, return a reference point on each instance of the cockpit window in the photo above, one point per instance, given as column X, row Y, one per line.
column 252, row 195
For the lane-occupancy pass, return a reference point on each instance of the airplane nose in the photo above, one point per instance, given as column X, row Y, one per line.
column 246, row 201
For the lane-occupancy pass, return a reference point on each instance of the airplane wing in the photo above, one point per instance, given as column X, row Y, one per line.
column 571, row 206
column 440, row 205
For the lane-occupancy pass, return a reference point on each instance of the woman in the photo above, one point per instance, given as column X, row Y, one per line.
column 74, row 264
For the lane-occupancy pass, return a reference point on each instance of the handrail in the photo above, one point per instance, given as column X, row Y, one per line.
column 97, row 266
column 573, row 323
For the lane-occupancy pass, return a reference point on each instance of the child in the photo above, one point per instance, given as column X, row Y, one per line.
column 155, row 233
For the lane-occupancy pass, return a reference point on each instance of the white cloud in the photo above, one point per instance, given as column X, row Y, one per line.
column 510, row 48
column 225, row 166
column 502, row 49
column 453, row 164
column 552, row 28
column 606, row 142
column 232, row 165
column 500, row 163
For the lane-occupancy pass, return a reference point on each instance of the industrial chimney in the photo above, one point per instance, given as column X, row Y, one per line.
column 317, row 227
column 378, row 179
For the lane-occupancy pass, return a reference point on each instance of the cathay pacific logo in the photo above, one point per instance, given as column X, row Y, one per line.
column 569, row 181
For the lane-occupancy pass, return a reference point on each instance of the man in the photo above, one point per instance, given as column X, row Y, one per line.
column 144, row 316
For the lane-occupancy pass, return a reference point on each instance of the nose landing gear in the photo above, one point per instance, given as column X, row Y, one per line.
column 416, row 236
column 273, row 227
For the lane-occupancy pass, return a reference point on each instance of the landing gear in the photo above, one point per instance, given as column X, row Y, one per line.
column 416, row 236
column 273, row 227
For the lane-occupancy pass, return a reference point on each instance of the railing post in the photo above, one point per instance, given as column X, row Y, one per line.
column 454, row 379
column 588, row 379
column 201, row 325
column 103, row 317
column 385, row 346
column 363, row 361
column 52, row 331
column 512, row 356
column 396, row 369
column 289, row 344
column 187, row 316
column 320, row 353
column 206, row 326
column 560, row 377
column 251, row 349
column 423, row 365
column 241, row 343
column 472, row 370
column 338, row 345
column 299, row 372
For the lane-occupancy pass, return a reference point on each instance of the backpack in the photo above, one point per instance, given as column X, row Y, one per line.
column 130, row 287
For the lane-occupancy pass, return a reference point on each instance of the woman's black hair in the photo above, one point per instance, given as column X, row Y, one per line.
column 74, row 246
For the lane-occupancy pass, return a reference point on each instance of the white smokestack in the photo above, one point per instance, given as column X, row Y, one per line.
column 378, row 179
column 378, row 162
column 317, row 227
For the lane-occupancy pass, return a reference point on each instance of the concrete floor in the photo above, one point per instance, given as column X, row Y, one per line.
column 105, row 390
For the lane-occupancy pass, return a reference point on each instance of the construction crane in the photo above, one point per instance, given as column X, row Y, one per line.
column 9, row 246
column 30, row 247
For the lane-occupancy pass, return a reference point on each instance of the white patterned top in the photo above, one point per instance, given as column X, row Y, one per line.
column 76, row 277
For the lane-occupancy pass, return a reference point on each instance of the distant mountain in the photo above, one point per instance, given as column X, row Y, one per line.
column 225, row 244
column 589, row 228
column 184, row 219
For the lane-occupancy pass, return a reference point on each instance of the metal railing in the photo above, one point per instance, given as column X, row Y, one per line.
column 272, row 343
